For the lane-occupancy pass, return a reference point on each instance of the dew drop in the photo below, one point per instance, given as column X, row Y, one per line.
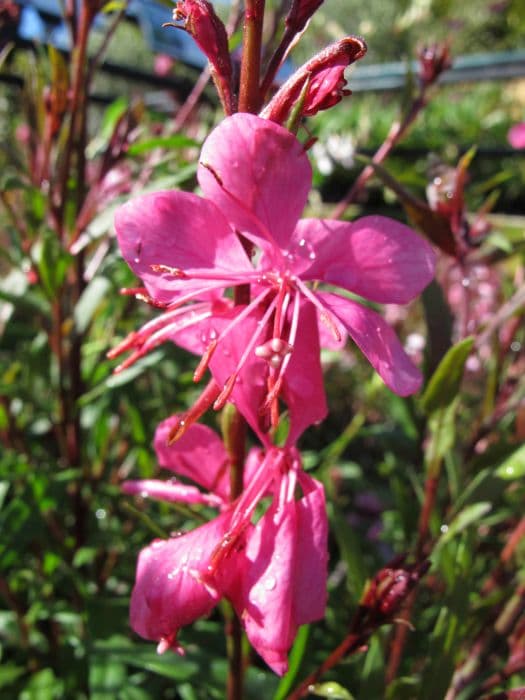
column 136, row 260
column 100, row 514
column 465, row 282
column 270, row 583
column 312, row 255
column 509, row 471
column 302, row 242
column 443, row 529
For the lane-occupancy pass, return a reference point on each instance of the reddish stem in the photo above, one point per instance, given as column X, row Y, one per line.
column 249, row 93
column 397, row 131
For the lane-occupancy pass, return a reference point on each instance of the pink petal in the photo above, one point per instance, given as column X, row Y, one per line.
column 257, row 173
column 179, row 230
column 199, row 455
column 303, row 382
column 168, row 592
column 283, row 584
column 312, row 552
column 516, row 135
column 170, row 491
column 264, row 600
column 378, row 342
column 376, row 257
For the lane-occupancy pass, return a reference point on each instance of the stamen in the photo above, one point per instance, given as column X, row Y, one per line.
column 325, row 315
column 204, row 361
column 201, row 405
column 189, row 318
column 230, row 383
column 173, row 271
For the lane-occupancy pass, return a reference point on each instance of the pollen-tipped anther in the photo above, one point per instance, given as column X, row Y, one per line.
column 204, row 361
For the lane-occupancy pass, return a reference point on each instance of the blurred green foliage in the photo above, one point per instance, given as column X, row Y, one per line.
column 70, row 538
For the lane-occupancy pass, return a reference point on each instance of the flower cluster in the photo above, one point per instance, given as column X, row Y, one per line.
column 273, row 572
column 263, row 354
column 255, row 291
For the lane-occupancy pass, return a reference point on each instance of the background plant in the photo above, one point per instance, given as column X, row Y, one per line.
column 72, row 432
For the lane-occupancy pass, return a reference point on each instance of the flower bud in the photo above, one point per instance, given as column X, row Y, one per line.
column 209, row 32
column 433, row 60
column 389, row 589
column 319, row 84
column 300, row 13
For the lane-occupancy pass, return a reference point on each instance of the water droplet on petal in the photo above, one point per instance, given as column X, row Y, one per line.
column 312, row 255
column 302, row 242
column 270, row 583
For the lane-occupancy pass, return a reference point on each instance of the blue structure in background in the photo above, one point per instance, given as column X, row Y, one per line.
column 41, row 21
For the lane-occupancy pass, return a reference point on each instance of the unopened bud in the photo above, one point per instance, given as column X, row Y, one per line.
column 300, row 13
column 433, row 60
column 322, row 78
column 204, row 25
column 388, row 591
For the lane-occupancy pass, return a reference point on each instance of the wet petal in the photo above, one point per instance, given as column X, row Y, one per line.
column 378, row 342
column 170, row 491
column 312, row 552
column 257, row 173
column 283, row 584
column 168, row 592
column 199, row 455
column 303, row 388
column 178, row 230
column 376, row 257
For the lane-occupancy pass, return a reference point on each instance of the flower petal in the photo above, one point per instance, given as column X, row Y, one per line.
column 376, row 257
column 178, row 230
column 303, row 388
column 264, row 598
column 312, row 552
column 168, row 592
column 378, row 342
column 170, row 491
column 257, row 173
column 283, row 582
column 199, row 455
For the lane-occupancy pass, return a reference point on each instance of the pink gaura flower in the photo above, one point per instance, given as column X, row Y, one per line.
column 273, row 572
column 255, row 177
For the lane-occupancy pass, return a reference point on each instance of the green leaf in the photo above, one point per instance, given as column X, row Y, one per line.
column 90, row 299
column 445, row 382
column 514, row 466
column 9, row 673
column 466, row 517
column 294, row 663
column 167, row 142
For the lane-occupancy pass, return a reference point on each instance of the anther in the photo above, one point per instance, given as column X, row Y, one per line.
column 204, row 361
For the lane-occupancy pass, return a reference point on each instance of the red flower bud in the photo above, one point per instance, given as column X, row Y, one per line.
column 300, row 13
column 433, row 60
column 388, row 591
column 319, row 84
column 209, row 32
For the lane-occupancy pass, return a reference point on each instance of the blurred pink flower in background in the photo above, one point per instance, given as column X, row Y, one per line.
column 516, row 135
